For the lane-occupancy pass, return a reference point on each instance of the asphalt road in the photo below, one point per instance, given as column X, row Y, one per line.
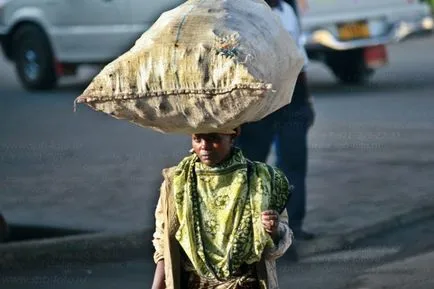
column 341, row 269
column 87, row 170
column 383, row 258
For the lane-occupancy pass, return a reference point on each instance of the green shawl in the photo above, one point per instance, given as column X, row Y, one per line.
column 219, row 212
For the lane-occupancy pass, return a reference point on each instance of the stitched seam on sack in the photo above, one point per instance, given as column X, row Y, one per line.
column 205, row 92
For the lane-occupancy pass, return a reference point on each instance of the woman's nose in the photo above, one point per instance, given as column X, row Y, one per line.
column 204, row 144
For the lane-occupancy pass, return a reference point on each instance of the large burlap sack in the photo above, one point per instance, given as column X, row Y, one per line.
column 205, row 66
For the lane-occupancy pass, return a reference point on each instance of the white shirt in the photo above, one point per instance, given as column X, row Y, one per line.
column 289, row 20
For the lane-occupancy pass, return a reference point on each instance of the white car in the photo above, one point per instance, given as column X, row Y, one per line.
column 47, row 39
column 350, row 35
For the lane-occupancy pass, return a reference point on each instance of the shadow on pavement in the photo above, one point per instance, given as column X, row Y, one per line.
column 20, row 232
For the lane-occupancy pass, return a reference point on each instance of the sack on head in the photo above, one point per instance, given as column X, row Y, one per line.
column 205, row 66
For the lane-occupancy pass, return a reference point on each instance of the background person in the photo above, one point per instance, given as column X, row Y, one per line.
column 287, row 128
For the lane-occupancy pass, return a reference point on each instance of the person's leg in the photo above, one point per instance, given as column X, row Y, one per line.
column 256, row 139
column 291, row 153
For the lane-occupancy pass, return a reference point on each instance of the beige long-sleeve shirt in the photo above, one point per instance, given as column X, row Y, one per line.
column 167, row 248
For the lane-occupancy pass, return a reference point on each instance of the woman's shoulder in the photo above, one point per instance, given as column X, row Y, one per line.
column 263, row 168
column 273, row 174
column 169, row 172
column 280, row 189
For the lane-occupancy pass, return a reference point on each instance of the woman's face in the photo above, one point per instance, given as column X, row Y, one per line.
column 212, row 148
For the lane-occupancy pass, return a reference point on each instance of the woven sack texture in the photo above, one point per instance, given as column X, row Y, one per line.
column 205, row 66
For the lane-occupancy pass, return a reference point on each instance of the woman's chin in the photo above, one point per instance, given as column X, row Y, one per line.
column 207, row 161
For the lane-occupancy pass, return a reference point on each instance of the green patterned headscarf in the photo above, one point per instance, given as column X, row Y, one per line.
column 219, row 211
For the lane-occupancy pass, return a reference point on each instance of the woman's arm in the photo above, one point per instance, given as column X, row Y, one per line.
column 158, row 236
column 158, row 242
column 159, row 276
column 282, row 239
column 270, row 221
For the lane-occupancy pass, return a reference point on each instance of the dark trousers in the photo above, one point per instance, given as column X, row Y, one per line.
column 287, row 128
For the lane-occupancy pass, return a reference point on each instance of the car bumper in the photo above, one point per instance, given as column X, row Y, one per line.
column 397, row 32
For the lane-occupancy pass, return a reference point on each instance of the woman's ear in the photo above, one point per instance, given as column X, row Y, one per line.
column 237, row 132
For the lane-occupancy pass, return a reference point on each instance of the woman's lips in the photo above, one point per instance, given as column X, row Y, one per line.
column 206, row 155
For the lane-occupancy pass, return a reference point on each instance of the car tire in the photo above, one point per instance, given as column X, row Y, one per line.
column 34, row 59
column 349, row 66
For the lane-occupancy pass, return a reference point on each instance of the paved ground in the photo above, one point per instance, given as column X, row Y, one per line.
column 407, row 249
column 402, row 256
column 415, row 272
column 371, row 154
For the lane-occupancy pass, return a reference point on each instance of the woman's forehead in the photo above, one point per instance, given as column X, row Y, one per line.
column 207, row 135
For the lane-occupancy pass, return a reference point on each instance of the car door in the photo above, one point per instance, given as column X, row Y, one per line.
column 90, row 31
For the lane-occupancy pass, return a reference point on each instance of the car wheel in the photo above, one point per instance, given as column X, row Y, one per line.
column 349, row 66
column 34, row 58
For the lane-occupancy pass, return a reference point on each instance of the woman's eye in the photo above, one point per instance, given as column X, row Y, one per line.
column 214, row 138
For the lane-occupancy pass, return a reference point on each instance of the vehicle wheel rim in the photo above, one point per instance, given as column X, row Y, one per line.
column 31, row 66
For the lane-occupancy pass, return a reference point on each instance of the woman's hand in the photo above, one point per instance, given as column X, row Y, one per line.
column 159, row 277
column 270, row 221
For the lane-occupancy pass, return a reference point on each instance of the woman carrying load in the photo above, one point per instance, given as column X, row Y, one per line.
column 204, row 69
column 221, row 220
